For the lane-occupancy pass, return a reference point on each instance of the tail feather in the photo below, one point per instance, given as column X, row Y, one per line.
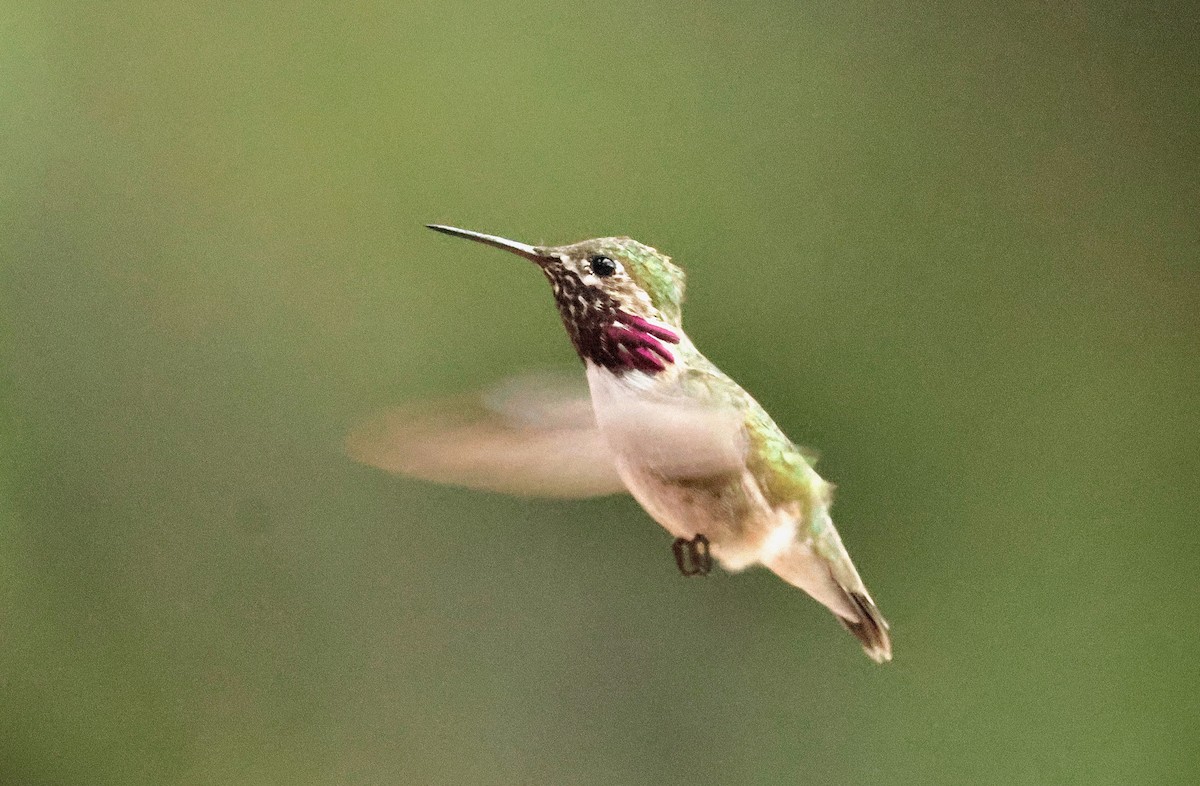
column 822, row 568
column 871, row 629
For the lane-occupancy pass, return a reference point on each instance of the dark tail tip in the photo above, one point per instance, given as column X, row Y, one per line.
column 870, row 628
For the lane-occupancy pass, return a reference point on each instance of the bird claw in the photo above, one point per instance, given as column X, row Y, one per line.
column 693, row 557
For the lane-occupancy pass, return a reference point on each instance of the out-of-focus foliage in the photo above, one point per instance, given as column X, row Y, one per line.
column 955, row 249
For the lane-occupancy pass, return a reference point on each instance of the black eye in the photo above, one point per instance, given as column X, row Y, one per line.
column 602, row 266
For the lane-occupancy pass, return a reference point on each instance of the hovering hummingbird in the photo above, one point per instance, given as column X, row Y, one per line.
column 663, row 423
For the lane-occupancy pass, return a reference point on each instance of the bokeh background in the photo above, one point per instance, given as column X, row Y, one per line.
column 954, row 249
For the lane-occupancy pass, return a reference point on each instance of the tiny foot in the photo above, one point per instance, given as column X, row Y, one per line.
column 693, row 557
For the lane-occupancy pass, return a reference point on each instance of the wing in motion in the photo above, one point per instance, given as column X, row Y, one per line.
column 533, row 435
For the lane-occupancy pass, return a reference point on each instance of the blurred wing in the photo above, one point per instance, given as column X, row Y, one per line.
column 670, row 433
column 533, row 435
column 680, row 440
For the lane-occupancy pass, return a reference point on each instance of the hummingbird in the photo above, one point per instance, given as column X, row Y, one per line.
column 658, row 420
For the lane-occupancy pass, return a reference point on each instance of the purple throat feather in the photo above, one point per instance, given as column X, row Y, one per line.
column 638, row 344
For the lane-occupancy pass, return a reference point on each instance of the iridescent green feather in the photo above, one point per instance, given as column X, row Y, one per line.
column 780, row 466
column 654, row 272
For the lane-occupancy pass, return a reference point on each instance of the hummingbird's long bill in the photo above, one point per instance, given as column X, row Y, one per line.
column 521, row 249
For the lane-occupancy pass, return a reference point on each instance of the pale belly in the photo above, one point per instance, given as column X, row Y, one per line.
column 688, row 472
column 742, row 528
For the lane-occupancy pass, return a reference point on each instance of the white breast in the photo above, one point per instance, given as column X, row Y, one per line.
column 649, row 421
column 662, row 438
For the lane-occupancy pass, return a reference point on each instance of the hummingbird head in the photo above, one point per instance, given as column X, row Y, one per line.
column 620, row 300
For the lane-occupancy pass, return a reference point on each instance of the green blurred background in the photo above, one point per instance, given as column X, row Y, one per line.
column 955, row 250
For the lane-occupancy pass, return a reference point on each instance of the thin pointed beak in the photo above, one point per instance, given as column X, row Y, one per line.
column 520, row 249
